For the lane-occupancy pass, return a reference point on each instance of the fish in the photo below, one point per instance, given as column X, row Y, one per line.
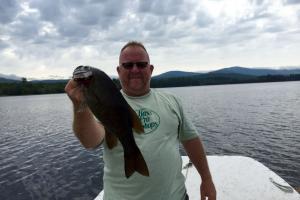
column 119, row 120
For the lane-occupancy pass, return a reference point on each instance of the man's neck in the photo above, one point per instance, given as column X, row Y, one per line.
column 136, row 93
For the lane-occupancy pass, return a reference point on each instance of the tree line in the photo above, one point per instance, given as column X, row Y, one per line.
column 25, row 87
column 218, row 79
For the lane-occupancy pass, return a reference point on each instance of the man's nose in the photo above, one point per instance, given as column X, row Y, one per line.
column 135, row 68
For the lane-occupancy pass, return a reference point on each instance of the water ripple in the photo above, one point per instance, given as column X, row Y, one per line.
column 40, row 158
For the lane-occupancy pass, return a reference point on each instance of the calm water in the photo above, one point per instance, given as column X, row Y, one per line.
column 41, row 159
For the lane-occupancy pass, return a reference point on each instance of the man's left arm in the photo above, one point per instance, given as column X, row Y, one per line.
column 196, row 153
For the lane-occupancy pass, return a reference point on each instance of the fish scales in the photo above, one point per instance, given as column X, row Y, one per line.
column 109, row 106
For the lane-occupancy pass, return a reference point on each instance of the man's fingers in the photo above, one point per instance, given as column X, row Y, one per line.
column 70, row 85
column 74, row 91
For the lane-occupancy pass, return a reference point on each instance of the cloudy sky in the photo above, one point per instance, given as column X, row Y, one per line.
column 48, row 38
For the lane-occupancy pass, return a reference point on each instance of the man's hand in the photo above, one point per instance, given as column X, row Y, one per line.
column 196, row 153
column 86, row 128
column 207, row 189
column 74, row 91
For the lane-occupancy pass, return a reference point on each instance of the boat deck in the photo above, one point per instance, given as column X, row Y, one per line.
column 236, row 178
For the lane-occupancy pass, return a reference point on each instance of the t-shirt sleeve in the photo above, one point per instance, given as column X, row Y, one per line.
column 186, row 129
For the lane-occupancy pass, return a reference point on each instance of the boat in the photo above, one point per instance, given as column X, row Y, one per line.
column 236, row 178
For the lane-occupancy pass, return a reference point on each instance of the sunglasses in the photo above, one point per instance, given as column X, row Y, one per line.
column 139, row 65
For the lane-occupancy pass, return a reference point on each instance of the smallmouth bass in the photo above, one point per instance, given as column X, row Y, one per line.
column 109, row 106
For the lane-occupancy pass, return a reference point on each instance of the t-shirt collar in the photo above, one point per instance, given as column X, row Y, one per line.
column 137, row 97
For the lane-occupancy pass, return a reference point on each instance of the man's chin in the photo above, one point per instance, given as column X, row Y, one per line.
column 135, row 82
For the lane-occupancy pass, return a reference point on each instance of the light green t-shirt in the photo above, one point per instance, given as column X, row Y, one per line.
column 165, row 124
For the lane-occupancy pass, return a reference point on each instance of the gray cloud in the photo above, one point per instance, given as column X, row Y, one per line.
column 258, row 2
column 203, row 19
column 158, row 7
column 250, row 27
column 8, row 10
column 86, row 22
column 102, row 14
column 49, row 31
column 25, row 28
column 3, row 44
column 51, row 11
column 75, row 20
column 259, row 11
column 179, row 8
column 292, row 1
column 235, row 34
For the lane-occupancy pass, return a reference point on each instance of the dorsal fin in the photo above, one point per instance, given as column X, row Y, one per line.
column 136, row 122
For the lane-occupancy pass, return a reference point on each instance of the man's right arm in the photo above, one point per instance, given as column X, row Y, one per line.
column 89, row 132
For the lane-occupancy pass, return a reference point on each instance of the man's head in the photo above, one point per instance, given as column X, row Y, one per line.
column 134, row 69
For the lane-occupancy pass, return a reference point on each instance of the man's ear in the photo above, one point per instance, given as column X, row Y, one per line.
column 151, row 68
column 118, row 69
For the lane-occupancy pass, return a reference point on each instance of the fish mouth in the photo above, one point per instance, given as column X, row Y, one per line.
column 82, row 73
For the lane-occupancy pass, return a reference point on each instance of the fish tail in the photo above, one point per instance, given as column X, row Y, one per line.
column 135, row 162
column 136, row 122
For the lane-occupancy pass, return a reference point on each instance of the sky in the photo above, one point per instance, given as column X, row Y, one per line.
column 49, row 38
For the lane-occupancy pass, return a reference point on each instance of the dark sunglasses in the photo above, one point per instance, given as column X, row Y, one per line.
column 140, row 65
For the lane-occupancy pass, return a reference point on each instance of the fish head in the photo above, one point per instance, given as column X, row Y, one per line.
column 83, row 74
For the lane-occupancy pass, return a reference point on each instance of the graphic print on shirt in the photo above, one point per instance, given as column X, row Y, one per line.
column 149, row 119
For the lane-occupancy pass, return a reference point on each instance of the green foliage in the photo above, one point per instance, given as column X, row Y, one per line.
column 24, row 80
column 217, row 79
column 25, row 87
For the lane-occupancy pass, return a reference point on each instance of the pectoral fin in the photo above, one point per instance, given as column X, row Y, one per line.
column 136, row 122
column 111, row 139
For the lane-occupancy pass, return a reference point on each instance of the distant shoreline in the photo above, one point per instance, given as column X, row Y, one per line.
column 220, row 79
column 38, row 88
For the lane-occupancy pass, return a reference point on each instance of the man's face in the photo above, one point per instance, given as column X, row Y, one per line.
column 135, row 78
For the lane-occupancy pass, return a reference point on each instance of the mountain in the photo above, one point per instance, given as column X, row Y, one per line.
column 256, row 71
column 50, row 81
column 5, row 80
column 232, row 71
column 10, row 77
column 231, row 75
column 175, row 74
column 202, row 79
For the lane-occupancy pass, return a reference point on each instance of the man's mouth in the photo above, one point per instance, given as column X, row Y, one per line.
column 135, row 77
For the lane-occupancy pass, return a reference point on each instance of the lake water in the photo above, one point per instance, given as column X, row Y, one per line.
column 41, row 159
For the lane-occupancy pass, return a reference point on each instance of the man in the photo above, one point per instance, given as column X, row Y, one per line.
column 165, row 125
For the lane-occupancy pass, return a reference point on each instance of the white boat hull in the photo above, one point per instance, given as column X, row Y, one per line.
column 236, row 178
